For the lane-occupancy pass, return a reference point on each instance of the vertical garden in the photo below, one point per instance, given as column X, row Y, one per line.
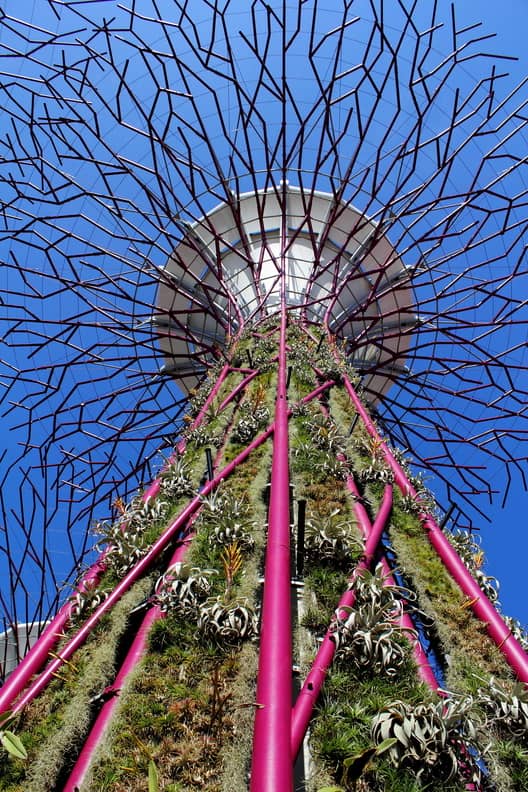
column 151, row 683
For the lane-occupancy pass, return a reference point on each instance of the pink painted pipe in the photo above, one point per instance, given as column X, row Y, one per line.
column 154, row 488
column 425, row 670
column 134, row 656
column 271, row 768
column 36, row 658
column 302, row 711
column 499, row 632
column 39, row 652
column 240, row 387
column 135, row 573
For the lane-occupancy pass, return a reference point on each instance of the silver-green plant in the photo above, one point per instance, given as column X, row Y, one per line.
column 324, row 434
column 330, row 538
column 84, row 602
column 124, row 541
column 175, row 480
column 332, row 466
column 435, row 740
column 230, row 519
column 508, row 710
column 183, row 588
column 227, row 622
column 468, row 548
column 252, row 418
column 517, row 630
column 376, row 471
column 202, row 436
column 368, row 634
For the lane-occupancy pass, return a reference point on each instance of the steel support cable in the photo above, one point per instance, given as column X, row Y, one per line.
column 482, row 607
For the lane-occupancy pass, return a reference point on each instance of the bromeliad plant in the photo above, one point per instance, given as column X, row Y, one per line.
column 228, row 519
column 176, row 479
column 253, row 417
column 325, row 434
column 367, row 634
column 183, row 588
column 330, row 538
column 507, row 710
column 124, row 540
column 377, row 471
column 225, row 620
column 469, row 550
column 203, row 436
column 517, row 630
column 435, row 740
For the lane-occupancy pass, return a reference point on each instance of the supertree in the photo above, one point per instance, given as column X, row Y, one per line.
column 263, row 275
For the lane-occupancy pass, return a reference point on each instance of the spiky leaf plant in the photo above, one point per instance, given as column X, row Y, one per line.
column 175, row 480
column 229, row 519
column 368, row 634
column 252, row 418
column 377, row 471
column 434, row 739
column 330, row 538
column 368, row 637
column 227, row 623
column 183, row 588
column 124, row 540
column 508, row 710
column 468, row 548
column 325, row 434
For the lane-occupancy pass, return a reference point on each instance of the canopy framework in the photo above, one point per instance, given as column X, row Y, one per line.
column 340, row 271
column 128, row 130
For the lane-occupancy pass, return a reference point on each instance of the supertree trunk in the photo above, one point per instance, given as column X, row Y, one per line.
column 161, row 677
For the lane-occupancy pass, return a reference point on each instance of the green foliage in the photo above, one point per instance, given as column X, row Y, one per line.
column 10, row 742
column 367, row 637
column 354, row 766
column 435, row 740
column 153, row 777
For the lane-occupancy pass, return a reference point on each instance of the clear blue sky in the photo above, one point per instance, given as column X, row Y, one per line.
column 505, row 540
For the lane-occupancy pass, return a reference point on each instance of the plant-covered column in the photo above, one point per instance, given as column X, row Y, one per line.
column 157, row 673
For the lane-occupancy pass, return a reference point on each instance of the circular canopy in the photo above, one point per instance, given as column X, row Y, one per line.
column 340, row 270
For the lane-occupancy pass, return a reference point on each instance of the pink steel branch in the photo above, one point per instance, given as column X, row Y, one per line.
column 174, row 530
column 482, row 607
column 272, row 762
column 313, row 683
column 134, row 656
column 138, row 646
column 39, row 653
